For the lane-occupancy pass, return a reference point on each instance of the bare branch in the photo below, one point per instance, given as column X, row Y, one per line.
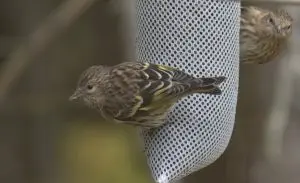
column 7, row 44
column 58, row 21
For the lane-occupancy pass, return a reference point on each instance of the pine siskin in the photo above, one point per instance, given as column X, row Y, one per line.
column 263, row 34
column 139, row 94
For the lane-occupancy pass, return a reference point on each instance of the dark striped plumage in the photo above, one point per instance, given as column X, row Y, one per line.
column 263, row 34
column 138, row 93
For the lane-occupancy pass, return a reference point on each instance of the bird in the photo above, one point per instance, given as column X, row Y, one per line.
column 139, row 93
column 263, row 34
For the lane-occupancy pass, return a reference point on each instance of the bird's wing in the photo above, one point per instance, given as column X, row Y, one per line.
column 139, row 87
column 160, row 84
column 167, row 83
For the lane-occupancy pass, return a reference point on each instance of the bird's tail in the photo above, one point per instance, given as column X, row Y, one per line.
column 208, row 85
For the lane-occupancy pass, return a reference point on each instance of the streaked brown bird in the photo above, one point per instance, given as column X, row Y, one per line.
column 263, row 34
column 139, row 94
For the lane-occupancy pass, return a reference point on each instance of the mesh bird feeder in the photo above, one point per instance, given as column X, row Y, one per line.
column 201, row 37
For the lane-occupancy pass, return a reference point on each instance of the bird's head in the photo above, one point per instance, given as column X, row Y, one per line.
column 267, row 23
column 278, row 23
column 90, row 87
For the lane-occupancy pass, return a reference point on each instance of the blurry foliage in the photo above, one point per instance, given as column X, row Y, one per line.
column 96, row 153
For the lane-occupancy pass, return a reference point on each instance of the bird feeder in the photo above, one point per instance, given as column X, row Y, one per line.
column 200, row 37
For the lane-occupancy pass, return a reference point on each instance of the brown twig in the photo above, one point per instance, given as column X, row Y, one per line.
column 58, row 21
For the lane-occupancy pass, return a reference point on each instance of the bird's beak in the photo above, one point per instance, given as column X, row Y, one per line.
column 76, row 95
column 278, row 29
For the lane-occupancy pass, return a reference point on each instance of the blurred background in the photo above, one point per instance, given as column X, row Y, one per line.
column 44, row 138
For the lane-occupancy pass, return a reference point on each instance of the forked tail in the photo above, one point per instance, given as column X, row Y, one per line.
column 208, row 85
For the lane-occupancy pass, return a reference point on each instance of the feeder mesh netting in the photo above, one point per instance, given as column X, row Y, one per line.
column 201, row 37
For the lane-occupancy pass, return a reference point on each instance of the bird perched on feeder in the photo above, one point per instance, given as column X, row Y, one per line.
column 139, row 94
column 263, row 34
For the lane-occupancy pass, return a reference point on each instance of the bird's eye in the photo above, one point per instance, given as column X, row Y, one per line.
column 271, row 20
column 288, row 27
column 89, row 87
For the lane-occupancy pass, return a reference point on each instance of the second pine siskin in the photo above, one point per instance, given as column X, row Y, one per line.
column 139, row 94
column 263, row 34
